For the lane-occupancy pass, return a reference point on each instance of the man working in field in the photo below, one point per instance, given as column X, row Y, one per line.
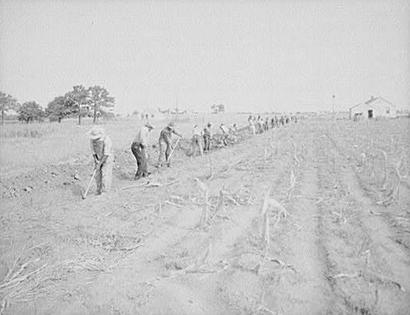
column 196, row 140
column 225, row 134
column 101, row 147
column 165, row 143
column 138, row 149
column 233, row 133
column 207, row 137
column 252, row 127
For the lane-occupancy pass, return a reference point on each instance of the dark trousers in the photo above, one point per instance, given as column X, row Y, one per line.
column 139, row 152
column 207, row 142
column 225, row 139
column 164, row 148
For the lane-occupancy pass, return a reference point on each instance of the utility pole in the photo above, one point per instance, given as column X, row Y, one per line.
column 176, row 107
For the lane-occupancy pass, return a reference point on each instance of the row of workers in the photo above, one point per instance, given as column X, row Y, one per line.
column 259, row 124
column 101, row 146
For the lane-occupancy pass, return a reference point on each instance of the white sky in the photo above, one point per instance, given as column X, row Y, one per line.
column 249, row 55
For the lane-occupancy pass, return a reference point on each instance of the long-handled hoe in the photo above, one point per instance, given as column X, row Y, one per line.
column 173, row 149
column 84, row 194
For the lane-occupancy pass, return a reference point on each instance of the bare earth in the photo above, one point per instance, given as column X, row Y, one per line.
column 341, row 246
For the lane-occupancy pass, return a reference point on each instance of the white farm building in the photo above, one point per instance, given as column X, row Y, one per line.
column 375, row 107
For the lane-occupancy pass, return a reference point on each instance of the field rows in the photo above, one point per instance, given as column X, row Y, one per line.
column 286, row 222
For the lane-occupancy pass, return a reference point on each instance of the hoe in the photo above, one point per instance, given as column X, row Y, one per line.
column 84, row 194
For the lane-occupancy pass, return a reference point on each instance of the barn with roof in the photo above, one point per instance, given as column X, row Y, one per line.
column 375, row 107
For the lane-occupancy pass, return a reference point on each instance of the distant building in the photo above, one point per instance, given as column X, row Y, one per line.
column 375, row 107
column 218, row 108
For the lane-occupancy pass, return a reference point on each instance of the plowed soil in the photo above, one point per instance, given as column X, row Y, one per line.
column 193, row 239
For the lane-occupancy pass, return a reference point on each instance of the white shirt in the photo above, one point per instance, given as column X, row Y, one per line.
column 197, row 131
column 102, row 147
column 142, row 136
column 224, row 129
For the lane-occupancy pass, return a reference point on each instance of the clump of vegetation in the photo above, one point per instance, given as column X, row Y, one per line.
column 94, row 101
column 7, row 102
column 30, row 111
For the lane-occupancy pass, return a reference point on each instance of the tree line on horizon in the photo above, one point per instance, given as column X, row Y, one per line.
column 94, row 101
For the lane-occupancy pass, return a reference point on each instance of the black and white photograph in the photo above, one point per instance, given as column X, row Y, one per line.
column 205, row 157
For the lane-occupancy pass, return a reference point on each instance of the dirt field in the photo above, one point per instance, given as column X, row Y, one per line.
column 310, row 218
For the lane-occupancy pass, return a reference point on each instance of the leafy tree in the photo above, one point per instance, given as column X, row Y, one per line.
column 58, row 109
column 100, row 101
column 30, row 111
column 77, row 101
column 6, row 102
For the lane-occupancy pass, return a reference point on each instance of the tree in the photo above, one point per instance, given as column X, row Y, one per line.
column 6, row 102
column 58, row 109
column 100, row 101
column 30, row 111
column 77, row 101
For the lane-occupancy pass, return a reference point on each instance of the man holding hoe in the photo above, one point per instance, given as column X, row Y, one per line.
column 165, row 143
column 138, row 147
column 101, row 147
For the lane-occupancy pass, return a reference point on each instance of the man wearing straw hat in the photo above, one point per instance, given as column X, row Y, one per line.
column 138, row 149
column 196, row 141
column 165, row 143
column 101, row 147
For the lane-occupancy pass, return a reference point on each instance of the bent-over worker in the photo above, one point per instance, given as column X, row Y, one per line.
column 138, row 147
column 165, row 143
column 225, row 134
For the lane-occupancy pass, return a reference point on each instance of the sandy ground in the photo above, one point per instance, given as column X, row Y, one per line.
column 333, row 237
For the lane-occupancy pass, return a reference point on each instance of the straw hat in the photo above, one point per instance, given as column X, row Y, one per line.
column 148, row 125
column 96, row 132
column 171, row 124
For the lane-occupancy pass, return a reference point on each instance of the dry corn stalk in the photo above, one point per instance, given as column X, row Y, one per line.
column 402, row 166
column 17, row 280
column 264, row 216
column 3, row 306
column 265, row 234
column 384, row 180
column 205, row 210
column 295, row 155
column 205, row 257
column 396, row 188
column 201, row 185
column 270, row 202
column 159, row 210
column 203, row 188
column 370, row 164
column 362, row 159
column 394, row 143
column 220, row 204
column 265, row 202
column 281, row 209
column 394, row 193
column 274, row 148
column 211, row 169
column 292, row 184
column 266, row 153
column 292, row 179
